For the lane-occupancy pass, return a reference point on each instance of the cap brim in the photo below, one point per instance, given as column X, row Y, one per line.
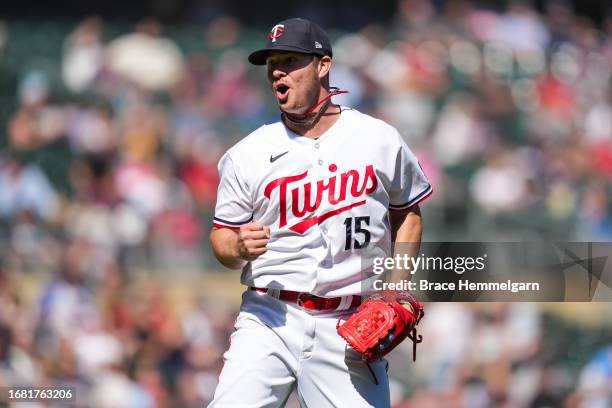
column 259, row 57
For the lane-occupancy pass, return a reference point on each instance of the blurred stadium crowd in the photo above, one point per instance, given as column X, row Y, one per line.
column 110, row 142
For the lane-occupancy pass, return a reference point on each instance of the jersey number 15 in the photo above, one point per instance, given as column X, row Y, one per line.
column 354, row 226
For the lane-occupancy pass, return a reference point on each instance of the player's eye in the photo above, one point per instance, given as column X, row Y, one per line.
column 272, row 60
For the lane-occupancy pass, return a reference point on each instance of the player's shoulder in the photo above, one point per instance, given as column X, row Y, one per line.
column 372, row 125
column 256, row 140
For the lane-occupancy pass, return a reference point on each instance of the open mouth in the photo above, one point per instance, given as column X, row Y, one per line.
column 282, row 91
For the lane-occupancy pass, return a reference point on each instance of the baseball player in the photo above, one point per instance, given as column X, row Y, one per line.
column 299, row 202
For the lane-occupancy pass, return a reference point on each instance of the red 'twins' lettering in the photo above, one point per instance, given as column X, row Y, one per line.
column 306, row 198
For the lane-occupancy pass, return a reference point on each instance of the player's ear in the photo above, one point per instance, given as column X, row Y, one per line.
column 324, row 66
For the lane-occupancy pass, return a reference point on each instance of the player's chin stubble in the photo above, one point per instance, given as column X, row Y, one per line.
column 303, row 101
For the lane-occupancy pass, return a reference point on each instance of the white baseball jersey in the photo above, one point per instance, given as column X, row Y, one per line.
column 325, row 200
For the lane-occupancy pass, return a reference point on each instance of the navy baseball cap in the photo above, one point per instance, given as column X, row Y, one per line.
column 295, row 34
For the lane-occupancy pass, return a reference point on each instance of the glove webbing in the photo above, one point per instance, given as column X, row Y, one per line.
column 413, row 335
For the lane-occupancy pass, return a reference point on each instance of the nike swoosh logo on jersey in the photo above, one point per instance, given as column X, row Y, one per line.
column 275, row 158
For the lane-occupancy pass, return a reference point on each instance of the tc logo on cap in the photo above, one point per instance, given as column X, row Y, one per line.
column 276, row 32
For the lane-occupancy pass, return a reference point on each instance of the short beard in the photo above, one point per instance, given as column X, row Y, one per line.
column 305, row 120
column 311, row 99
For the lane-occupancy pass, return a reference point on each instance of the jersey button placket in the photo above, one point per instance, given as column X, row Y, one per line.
column 317, row 146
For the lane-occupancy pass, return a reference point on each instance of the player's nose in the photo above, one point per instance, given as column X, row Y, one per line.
column 274, row 74
column 278, row 72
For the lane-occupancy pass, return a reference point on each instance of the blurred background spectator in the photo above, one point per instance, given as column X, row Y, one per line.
column 112, row 129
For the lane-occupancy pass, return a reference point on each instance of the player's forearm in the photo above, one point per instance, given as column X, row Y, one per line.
column 224, row 243
column 407, row 229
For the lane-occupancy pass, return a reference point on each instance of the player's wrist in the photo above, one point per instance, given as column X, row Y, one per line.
column 236, row 250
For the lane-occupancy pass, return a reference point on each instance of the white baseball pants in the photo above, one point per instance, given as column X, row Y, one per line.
column 277, row 346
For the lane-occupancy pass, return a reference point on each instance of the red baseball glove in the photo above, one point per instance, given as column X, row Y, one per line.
column 381, row 323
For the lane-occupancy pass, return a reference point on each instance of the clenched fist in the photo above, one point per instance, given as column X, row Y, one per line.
column 252, row 240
